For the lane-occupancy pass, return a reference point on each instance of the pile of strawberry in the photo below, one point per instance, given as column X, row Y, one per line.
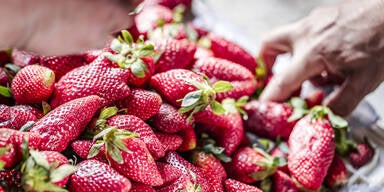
column 171, row 107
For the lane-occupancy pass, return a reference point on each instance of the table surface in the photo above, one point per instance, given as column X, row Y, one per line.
column 256, row 17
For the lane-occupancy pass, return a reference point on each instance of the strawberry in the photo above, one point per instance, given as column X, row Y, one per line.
column 202, row 53
column 311, row 148
column 33, row 84
column 11, row 144
column 128, row 155
column 45, row 171
column 243, row 81
column 283, row 183
column 56, row 132
column 225, row 49
column 135, row 124
column 137, row 99
column 83, row 147
column 189, row 139
column 314, row 98
column 175, row 54
column 5, row 57
column 10, row 180
column 232, row 185
column 23, row 58
column 186, row 89
column 92, row 175
column 61, row 65
column 249, row 165
column 269, row 119
column 169, row 3
column 337, row 173
column 189, row 170
column 139, row 187
column 151, row 16
column 169, row 120
column 183, row 183
column 361, row 155
column 16, row 116
column 211, row 168
column 168, row 173
column 281, row 150
column 170, row 142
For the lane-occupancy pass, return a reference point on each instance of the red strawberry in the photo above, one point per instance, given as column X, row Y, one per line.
column 225, row 49
column 232, row 185
column 192, row 172
column 311, row 149
column 337, row 173
column 139, row 187
column 281, row 150
column 170, row 142
column 2, row 189
column 269, row 119
column 91, row 55
column 61, row 65
column 283, row 183
column 169, row 3
column 169, row 120
column 83, row 147
column 168, row 173
column 11, row 143
column 361, row 155
column 5, row 57
column 22, row 58
column 135, row 124
column 4, row 78
column 183, row 183
column 175, row 54
column 16, row 116
column 249, row 165
column 243, row 81
column 45, row 171
column 106, row 82
column 150, row 17
column 92, row 175
column 11, row 180
column 315, row 98
column 33, row 84
column 141, row 103
column 128, row 155
column 211, row 168
column 56, row 132
column 189, row 139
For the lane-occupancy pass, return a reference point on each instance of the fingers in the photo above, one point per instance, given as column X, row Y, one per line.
column 277, row 42
column 290, row 79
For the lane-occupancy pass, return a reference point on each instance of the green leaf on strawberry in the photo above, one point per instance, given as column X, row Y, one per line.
column 5, row 91
column 217, row 108
column 222, row 86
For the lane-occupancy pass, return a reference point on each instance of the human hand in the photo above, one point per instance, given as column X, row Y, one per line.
column 342, row 43
column 56, row 27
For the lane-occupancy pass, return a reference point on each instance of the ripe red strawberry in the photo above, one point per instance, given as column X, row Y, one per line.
column 183, row 183
column 211, row 168
column 169, row 3
column 189, row 170
column 150, row 17
column 23, row 58
column 45, row 171
column 2, row 189
column 315, row 98
column 225, row 49
column 169, row 120
column 311, row 149
column 135, row 124
column 128, row 155
column 83, row 147
column 107, row 82
column 171, row 142
column 269, row 119
column 90, row 55
column 168, row 173
column 189, row 139
column 141, row 103
column 361, row 155
column 337, row 173
column 33, row 84
column 175, row 54
column 232, row 185
column 11, row 180
column 61, row 65
column 11, row 142
column 283, row 183
column 249, row 165
column 55, row 128
column 92, row 175
column 16, row 116
column 139, row 187
column 243, row 81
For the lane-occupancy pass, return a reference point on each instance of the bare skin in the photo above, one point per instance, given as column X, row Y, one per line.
column 57, row 27
column 339, row 44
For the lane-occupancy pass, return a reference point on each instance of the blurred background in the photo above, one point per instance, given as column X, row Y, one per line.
column 252, row 19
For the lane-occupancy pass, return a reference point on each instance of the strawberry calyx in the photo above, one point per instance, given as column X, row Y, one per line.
column 209, row 146
column 198, row 100
column 48, row 77
column 113, row 140
column 101, row 122
column 129, row 54
column 261, row 71
column 269, row 163
column 5, row 91
column 300, row 108
column 3, row 150
column 235, row 106
column 192, row 187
